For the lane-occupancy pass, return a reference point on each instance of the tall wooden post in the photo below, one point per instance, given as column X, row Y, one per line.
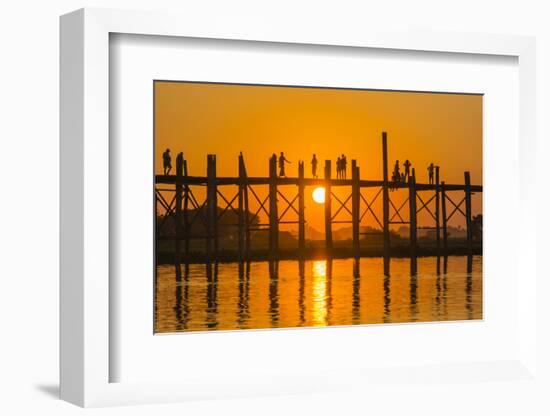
column 385, row 202
column 301, row 210
column 240, row 210
column 355, row 206
column 179, row 198
column 444, row 217
column 437, row 220
column 246, row 216
column 212, row 208
column 178, row 209
column 412, row 214
column 186, row 224
column 273, row 212
column 468, row 201
column 328, row 208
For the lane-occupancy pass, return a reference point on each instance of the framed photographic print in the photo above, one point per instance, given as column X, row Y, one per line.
column 263, row 211
column 249, row 236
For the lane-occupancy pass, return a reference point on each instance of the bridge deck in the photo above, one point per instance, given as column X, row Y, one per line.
column 251, row 180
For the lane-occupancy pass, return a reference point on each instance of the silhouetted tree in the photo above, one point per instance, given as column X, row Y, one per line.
column 477, row 227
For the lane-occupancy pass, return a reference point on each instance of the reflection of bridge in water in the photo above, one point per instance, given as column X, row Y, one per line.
column 186, row 210
column 319, row 298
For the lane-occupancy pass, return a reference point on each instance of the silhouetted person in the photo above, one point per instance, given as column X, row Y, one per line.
column 431, row 169
column 396, row 170
column 343, row 169
column 396, row 176
column 167, row 161
column 179, row 161
column 314, row 166
column 338, row 167
column 282, row 160
column 407, row 166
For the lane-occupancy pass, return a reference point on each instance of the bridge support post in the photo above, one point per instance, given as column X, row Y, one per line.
column 241, row 211
column 246, row 217
column 444, row 217
column 468, row 201
column 179, row 199
column 412, row 214
column 385, row 203
column 328, row 208
column 437, row 220
column 273, row 212
column 212, row 208
column 301, row 210
column 355, row 207
column 186, row 226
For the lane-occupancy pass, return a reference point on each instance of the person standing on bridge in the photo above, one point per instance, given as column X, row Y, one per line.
column 179, row 161
column 344, row 167
column 431, row 169
column 167, row 161
column 314, row 166
column 407, row 173
column 282, row 161
column 338, row 167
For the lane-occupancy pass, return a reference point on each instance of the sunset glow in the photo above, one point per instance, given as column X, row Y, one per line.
column 225, row 119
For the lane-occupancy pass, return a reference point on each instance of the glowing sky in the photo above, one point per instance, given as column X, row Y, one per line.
column 224, row 119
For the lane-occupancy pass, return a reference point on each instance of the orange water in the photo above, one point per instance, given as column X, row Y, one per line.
column 256, row 295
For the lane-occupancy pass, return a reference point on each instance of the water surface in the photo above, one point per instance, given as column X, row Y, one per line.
column 228, row 296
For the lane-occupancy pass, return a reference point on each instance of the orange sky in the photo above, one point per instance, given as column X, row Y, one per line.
column 224, row 119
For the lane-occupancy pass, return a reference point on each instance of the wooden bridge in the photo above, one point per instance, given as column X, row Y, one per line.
column 184, row 207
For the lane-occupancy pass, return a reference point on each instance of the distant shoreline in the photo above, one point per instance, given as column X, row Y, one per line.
column 227, row 256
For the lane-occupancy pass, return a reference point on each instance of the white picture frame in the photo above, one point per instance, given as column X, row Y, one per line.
column 85, row 221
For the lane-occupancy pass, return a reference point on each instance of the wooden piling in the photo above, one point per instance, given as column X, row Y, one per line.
column 437, row 219
column 355, row 206
column 301, row 210
column 412, row 214
column 246, row 217
column 273, row 211
column 385, row 200
column 186, row 225
column 444, row 217
column 468, row 201
column 241, row 211
column 179, row 199
column 328, row 208
column 212, row 208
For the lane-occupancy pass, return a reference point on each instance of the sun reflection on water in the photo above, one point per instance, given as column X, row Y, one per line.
column 319, row 311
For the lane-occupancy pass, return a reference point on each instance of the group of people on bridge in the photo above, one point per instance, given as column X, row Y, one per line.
column 341, row 167
column 405, row 176
column 401, row 177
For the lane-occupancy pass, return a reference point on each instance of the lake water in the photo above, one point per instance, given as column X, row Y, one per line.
column 255, row 295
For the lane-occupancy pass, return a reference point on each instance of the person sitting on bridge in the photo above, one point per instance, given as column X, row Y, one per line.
column 396, row 176
column 431, row 173
column 282, row 160
column 167, row 161
column 314, row 166
column 407, row 166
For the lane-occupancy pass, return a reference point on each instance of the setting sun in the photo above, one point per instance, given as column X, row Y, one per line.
column 319, row 195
